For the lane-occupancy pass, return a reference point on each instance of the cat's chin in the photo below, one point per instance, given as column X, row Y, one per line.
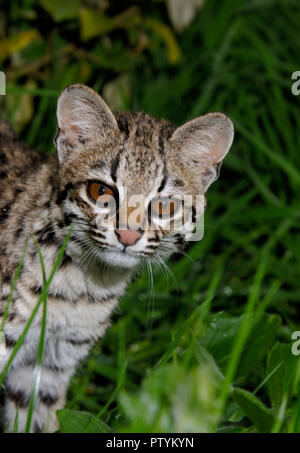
column 119, row 259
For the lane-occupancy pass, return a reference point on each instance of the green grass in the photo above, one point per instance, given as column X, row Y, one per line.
column 212, row 353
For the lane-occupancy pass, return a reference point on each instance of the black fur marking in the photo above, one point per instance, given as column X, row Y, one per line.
column 64, row 193
column 36, row 290
column 98, row 165
column 123, row 126
column 66, row 260
column 9, row 342
column 4, row 212
column 37, row 428
column 54, row 367
column 98, row 235
column 178, row 183
column 48, row 399
column 163, row 183
column 56, row 296
column 152, row 247
column 18, row 232
column 92, row 300
column 114, row 167
column 76, row 342
column 7, row 279
column 46, row 235
column 11, row 316
column 68, row 219
column 2, row 174
column 19, row 397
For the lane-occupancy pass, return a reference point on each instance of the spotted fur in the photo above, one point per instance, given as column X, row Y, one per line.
column 42, row 198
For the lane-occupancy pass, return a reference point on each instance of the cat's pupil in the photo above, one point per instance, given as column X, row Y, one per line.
column 101, row 190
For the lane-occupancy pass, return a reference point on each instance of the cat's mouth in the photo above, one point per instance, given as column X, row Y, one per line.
column 120, row 258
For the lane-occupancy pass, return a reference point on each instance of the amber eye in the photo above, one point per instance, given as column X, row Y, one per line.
column 164, row 207
column 100, row 193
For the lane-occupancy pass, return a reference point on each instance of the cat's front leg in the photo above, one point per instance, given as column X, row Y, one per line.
column 51, row 396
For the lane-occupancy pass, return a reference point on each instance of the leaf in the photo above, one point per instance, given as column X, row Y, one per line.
column 94, row 23
column 61, row 10
column 166, row 34
column 218, row 340
column 80, row 422
column 117, row 92
column 22, row 106
column 173, row 399
column 182, row 13
column 17, row 42
column 281, row 382
column 254, row 409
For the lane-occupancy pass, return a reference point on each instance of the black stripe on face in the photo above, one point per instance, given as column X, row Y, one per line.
column 163, row 183
column 152, row 247
column 64, row 193
column 153, row 240
column 66, row 261
column 114, row 167
column 47, row 399
column 19, row 397
column 46, row 235
column 98, row 234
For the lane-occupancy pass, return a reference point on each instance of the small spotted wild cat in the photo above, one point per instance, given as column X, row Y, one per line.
column 99, row 155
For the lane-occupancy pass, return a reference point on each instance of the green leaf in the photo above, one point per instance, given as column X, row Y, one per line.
column 168, row 37
column 280, row 383
column 80, row 422
column 94, row 23
column 173, row 399
column 218, row 340
column 254, row 409
column 17, row 42
column 61, row 10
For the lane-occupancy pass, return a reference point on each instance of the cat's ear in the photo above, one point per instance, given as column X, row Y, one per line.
column 202, row 144
column 82, row 116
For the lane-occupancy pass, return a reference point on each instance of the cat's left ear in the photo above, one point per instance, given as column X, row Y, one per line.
column 202, row 144
column 82, row 116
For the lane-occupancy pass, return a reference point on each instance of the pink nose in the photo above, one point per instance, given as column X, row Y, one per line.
column 128, row 237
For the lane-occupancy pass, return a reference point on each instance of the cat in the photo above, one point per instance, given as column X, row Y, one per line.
column 100, row 157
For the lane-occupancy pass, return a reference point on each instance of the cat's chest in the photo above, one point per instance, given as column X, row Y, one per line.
column 77, row 300
column 79, row 308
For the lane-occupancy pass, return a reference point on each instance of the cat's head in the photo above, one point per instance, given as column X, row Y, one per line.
column 131, row 183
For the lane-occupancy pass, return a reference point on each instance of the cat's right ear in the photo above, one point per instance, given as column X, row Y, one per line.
column 82, row 116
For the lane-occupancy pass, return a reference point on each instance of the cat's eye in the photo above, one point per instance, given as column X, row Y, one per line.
column 100, row 193
column 164, row 207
